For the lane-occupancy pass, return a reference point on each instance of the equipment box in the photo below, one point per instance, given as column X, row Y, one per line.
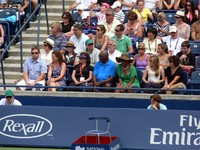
column 92, row 144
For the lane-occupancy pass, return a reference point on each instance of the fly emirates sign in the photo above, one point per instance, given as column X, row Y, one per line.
column 188, row 134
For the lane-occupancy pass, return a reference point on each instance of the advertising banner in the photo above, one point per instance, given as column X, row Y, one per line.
column 136, row 128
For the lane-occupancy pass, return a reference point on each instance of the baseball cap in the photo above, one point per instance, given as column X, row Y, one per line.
column 89, row 41
column 172, row 29
column 106, row 5
column 83, row 56
column 116, row 4
column 85, row 14
column 9, row 93
column 80, row 7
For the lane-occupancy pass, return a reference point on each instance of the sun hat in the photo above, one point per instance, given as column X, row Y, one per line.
column 124, row 57
column 9, row 93
column 116, row 4
column 179, row 14
column 49, row 41
column 70, row 43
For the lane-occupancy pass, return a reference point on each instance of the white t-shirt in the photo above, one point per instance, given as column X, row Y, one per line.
column 79, row 43
column 15, row 102
column 151, row 4
column 47, row 58
column 114, row 55
column 86, row 3
column 128, row 2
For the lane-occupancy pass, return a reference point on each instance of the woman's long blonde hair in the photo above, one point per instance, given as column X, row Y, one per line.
column 155, row 64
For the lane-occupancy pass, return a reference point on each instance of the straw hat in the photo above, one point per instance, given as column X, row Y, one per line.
column 124, row 57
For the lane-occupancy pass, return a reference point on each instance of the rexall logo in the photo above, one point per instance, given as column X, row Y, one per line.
column 24, row 126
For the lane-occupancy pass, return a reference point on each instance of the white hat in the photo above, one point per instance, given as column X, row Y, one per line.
column 85, row 14
column 116, row 4
column 180, row 13
column 80, row 7
column 49, row 41
column 172, row 29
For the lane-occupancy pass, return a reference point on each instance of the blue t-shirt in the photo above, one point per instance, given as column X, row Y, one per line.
column 162, row 107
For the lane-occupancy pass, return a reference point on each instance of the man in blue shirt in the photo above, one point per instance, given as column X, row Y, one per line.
column 155, row 103
column 35, row 70
column 104, row 71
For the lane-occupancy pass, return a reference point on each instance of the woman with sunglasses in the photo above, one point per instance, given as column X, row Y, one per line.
column 182, row 27
column 100, row 39
column 191, row 15
column 154, row 74
column 57, row 71
column 140, row 60
column 67, row 22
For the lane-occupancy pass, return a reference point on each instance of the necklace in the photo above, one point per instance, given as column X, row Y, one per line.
column 125, row 68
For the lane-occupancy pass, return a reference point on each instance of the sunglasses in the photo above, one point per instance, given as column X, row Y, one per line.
column 34, row 53
column 9, row 97
column 98, row 29
column 140, row 48
column 177, row 17
column 189, row 5
column 117, row 30
column 110, row 44
column 44, row 44
column 108, row 14
column 69, row 46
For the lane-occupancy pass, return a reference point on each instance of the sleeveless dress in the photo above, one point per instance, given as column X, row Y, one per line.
column 99, row 45
column 141, row 65
column 56, row 72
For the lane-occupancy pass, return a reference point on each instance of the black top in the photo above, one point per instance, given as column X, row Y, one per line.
column 170, row 76
column 67, row 28
column 189, row 60
column 70, row 60
column 84, row 73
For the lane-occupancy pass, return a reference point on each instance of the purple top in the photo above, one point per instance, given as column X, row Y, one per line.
column 141, row 65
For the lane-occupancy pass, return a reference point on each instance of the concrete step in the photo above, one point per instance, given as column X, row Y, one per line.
column 60, row 2
column 12, row 75
column 16, row 59
column 9, row 82
column 33, row 37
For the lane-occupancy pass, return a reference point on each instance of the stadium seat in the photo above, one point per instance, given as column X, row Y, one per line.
column 195, row 46
column 195, row 82
column 197, row 63
column 99, row 132
column 170, row 17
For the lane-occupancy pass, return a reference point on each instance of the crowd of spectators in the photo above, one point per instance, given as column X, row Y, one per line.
column 107, row 43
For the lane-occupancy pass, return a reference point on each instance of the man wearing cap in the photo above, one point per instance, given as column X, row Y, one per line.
column 77, row 16
column 88, row 4
column 78, row 38
column 92, row 51
column 118, row 14
column 104, row 71
column 196, row 30
column 46, row 55
column 34, row 71
column 59, row 38
column 173, row 41
column 113, row 53
column 124, row 43
column 110, row 23
column 9, row 99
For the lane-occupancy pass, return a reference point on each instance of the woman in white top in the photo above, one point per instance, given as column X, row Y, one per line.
column 151, row 42
column 127, row 4
column 153, row 75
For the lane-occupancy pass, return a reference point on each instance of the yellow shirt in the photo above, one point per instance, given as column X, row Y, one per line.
column 144, row 14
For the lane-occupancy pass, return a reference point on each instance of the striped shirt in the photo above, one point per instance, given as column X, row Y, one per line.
column 120, row 16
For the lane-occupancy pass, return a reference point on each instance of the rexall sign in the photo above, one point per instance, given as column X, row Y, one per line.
column 24, row 126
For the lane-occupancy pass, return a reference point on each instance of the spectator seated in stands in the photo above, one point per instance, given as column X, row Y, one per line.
column 46, row 54
column 110, row 23
column 143, row 13
column 82, row 73
column 162, row 25
column 3, row 4
column 9, row 99
column 34, row 71
column 124, row 43
column 77, row 16
column 92, row 51
column 173, row 41
column 174, row 76
column 67, row 22
column 151, row 5
column 118, row 14
column 59, row 38
column 89, row 28
column 166, row 4
column 87, row 4
column 78, row 38
column 156, row 103
column 163, row 54
column 56, row 71
column 191, row 15
column 113, row 53
column 2, row 33
column 100, row 39
column 127, row 74
column 154, row 74
column 187, row 58
column 133, row 29
column 104, row 71
column 151, row 42
column 69, row 55
column 182, row 27
column 196, row 30
column 180, row 4
column 100, row 14
column 140, row 60
column 127, row 4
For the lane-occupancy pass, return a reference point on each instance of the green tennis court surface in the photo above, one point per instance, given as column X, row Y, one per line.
column 20, row 148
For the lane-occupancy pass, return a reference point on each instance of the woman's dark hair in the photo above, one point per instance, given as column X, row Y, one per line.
column 192, row 8
column 164, row 47
column 121, row 27
column 88, row 57
column 68, row 15
column 139, row 1
column 153, row 31
column 185, row 44
column 59, row 55
column 156, row 98
column 102, row 27
column 132, row 15
column 175, row 59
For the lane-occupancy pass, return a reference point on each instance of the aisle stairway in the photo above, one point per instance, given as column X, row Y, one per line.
column 12, row 64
